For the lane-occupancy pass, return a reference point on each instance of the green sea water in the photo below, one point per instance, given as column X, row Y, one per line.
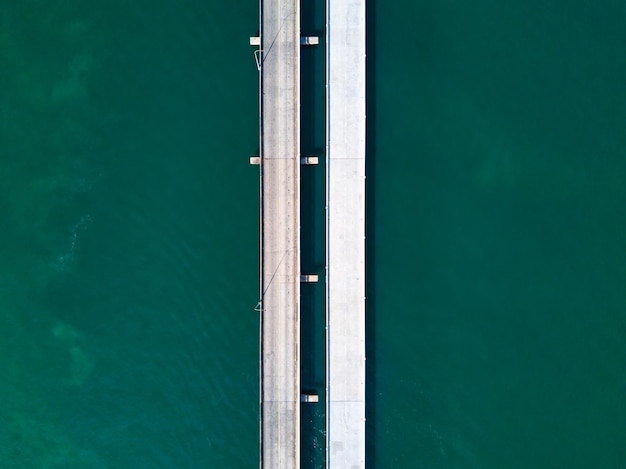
column 129, row 234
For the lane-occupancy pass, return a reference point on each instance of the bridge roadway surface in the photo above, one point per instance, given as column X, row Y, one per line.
column 345, row 234
column 280, row 234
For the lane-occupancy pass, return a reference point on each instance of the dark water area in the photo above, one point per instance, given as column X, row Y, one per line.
column 129, row 235
column 499, row 255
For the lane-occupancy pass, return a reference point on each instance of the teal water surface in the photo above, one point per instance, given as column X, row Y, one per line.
column 129, row 234
column 499, row 257
column 129, row 243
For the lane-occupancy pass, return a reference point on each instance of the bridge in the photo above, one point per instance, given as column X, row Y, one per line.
column 278, row 60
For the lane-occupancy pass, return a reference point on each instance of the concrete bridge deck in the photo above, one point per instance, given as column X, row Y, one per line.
column 280, row 234
column 345, row 234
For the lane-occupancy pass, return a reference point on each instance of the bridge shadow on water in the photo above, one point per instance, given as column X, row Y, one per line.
column 313, row 237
